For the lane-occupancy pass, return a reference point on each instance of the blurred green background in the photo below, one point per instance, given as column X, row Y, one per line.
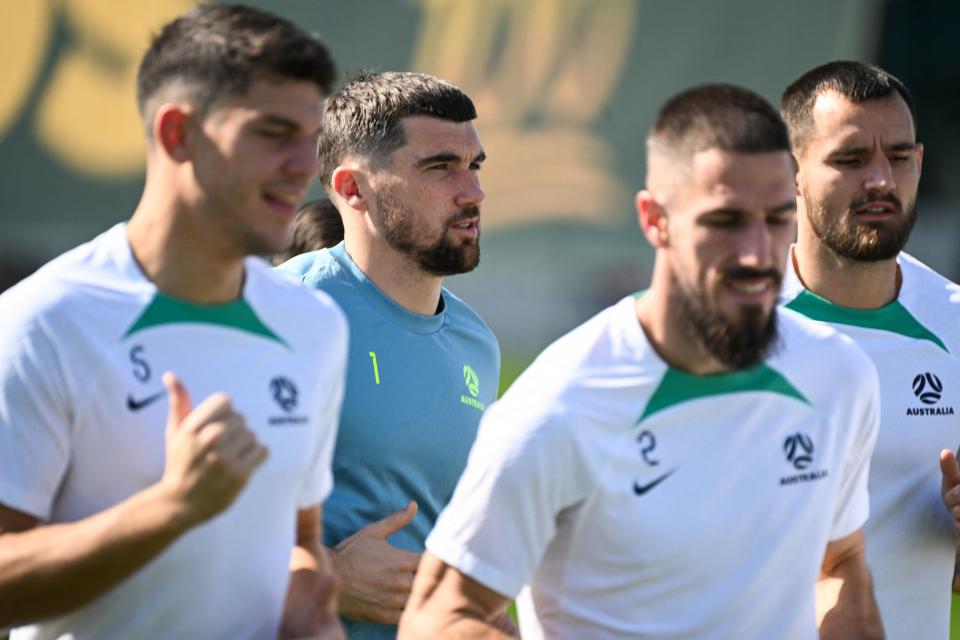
column 565, row 90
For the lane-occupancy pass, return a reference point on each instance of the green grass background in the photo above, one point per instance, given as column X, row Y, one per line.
column 955, row 618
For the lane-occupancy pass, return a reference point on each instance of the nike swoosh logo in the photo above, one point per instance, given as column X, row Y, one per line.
column 135, row 405
column 641, row 489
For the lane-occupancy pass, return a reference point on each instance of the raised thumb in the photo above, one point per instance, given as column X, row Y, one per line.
column 397, row 520
column 179, row 400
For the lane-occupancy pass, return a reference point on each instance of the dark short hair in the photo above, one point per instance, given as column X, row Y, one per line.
column 318, row 225
column 855, row 81
column 719, row 116
column 363, row 117
column 219, row 50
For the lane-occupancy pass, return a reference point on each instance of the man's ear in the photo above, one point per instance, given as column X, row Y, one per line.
column 171, row 131
column 795, row 159
column 345, row 182
column 653, row 219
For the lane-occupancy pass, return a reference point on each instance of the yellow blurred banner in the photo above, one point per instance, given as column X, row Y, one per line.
column 86, row 115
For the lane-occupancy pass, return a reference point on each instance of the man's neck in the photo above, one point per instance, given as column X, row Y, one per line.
column 183, row 257
column 849, row 283
column 667, row 333
column 397, row 276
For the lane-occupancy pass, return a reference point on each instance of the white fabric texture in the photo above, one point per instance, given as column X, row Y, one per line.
column 909, row 536
column 83, row 345
column 623, row 499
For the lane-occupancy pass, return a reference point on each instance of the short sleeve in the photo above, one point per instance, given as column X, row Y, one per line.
column 853, row 503
column 523, row 471
column 34, row 415
column 319, row 481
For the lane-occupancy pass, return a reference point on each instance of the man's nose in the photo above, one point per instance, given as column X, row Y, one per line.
column 755, row 245
column 879, row 174
column 302, row 160
column 470, row 192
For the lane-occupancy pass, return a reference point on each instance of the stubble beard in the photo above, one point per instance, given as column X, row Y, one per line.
column 253, row 244
column 737, row 346
column 863, row 241
column 242, row 236
column 441, row 257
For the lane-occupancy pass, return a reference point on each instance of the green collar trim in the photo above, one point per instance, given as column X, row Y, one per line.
column 893, row 317
column 236, row 315
column 678, row 386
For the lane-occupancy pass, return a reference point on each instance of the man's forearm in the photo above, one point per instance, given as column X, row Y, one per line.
column 855, row 614
column 308, row 571
column 423, row 626
column 310, row 608
column 448, row 604
column 53, row 569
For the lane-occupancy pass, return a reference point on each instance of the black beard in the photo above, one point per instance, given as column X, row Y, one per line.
column 440, row 258
column 862, row 242
column 736, row 346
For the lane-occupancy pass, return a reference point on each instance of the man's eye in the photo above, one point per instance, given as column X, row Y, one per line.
column 722, row 223
column 846, row 162
column 275, row 134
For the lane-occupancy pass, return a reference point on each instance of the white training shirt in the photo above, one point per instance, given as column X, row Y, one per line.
column 915, row 343
column 83, row 345
column 624, row 499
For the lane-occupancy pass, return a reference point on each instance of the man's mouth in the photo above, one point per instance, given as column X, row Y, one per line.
column 752, row 285
column 876, row 208
column 283, row 201
column 469, row 227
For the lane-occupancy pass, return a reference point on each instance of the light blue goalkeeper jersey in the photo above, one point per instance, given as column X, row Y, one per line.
column 416, row 388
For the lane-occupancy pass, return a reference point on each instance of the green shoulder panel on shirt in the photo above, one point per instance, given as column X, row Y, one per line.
column 236, row 315
column 893, row 317
column 677, row 387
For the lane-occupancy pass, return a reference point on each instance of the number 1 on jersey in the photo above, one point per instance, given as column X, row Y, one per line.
column 376, row 371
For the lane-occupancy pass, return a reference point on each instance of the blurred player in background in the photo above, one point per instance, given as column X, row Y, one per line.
column 400, row 159
column 684, row 464
column 853, row 131
column 141, row 504
column 317, row 226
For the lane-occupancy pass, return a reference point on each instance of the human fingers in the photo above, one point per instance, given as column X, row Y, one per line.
column 406, row 561
column 216, row 407
column 252, row 457
column 398, row 585
column 391, row 608
column 393, row 522
column 178, row 401
column 236, row 437
column 950, row 470
column 232, row 443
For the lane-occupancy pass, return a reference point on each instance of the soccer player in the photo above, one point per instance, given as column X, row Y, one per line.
column 400, row 159
column 316, row 226
column 136, row 503
column 853, row 131
column 684, row 464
